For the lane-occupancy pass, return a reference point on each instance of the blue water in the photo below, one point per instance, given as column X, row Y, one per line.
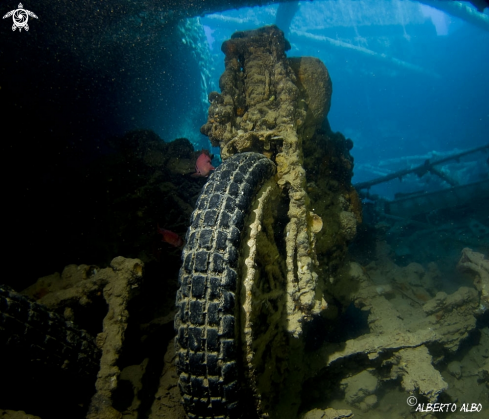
column 389, row 110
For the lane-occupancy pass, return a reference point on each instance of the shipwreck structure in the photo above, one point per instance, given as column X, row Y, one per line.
column 265, row 283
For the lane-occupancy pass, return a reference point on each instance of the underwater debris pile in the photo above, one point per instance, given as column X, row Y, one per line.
column 412, row 337
column 413, row 342
column 75, row 293
column 63, row 301
column 123, row 196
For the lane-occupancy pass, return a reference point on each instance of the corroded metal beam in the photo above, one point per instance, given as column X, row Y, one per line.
column 462, row 11
column 191, row 8
column 420, row 170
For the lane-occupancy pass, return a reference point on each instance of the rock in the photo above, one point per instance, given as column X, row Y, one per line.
column 418, row 375
column 348, row 224
column 328, row 414
column 454, row 368
column 13, row 414
column 483, row 373
column 358, row 387
column 368, row 403
column 478, row 266
column 78, row 284
column 436, row 304
column 414, row 272
column 463, row 297
column 401, row 333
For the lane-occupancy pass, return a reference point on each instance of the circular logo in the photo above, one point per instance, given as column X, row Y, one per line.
column 20, row 18
column 411, row 401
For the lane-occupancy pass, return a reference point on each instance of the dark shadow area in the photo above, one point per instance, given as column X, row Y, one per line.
column 351, row 324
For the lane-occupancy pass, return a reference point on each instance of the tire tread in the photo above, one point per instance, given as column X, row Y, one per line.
column 206, row 301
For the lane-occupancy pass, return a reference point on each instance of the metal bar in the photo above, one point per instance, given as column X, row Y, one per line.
column 420, row 170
